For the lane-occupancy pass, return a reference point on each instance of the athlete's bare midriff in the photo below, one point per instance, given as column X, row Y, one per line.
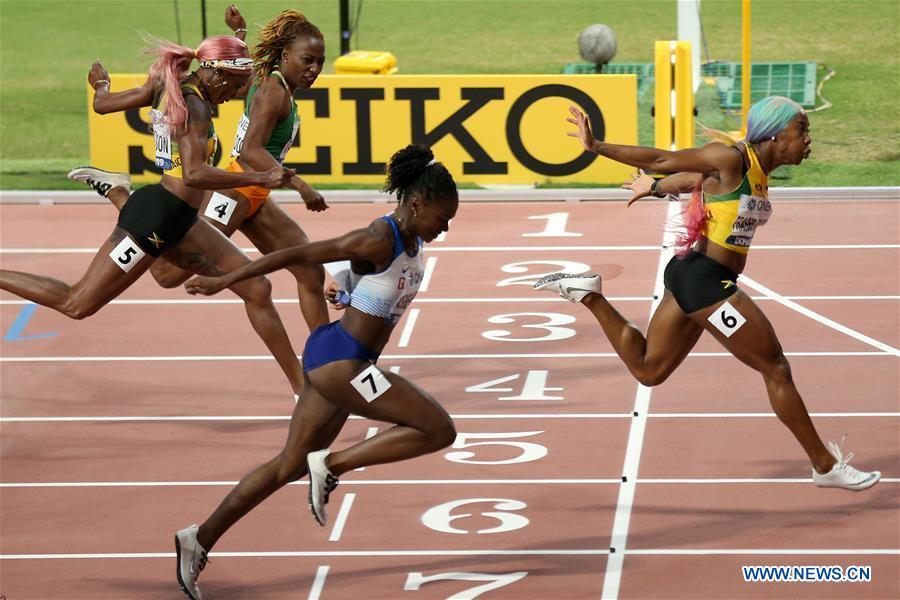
column 725, row 257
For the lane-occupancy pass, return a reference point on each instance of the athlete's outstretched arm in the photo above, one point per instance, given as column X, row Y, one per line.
column 362, row 244
column 710, row 159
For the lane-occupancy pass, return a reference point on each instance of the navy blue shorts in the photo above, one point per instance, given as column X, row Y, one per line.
column 330, row 343
column 697, row 281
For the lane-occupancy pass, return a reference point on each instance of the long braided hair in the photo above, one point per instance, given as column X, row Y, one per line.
column 278, row 34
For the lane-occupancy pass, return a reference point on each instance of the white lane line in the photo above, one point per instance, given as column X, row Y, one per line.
column 373, row 430
column 217, row 358
column 415, row 553
column 493, row 300
column 341, row 520
column 318, row 584
column 429, row 271
column 432, row 249
column 408, row 327
column 817, row 317
column 451, row 482
column 622, row 517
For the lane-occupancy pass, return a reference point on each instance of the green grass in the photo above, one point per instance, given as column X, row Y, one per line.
column 46, row 48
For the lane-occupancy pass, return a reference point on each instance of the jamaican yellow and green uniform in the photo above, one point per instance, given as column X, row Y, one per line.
column 732, row 218
column 696, row 280
column 155, row 218
column 279, row 143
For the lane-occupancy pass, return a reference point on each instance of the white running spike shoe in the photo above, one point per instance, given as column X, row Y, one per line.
column 321, row 484
column 191, row 560
column 842, row 475
column 573, row 287
column 102, row 181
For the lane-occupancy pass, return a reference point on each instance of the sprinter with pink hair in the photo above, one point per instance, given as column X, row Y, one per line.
column 161, row 219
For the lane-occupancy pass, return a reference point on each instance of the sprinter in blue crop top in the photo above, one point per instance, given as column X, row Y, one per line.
column 339, row 358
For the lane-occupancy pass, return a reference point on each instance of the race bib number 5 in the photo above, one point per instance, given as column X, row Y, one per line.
column 371, row 383
column 126, row 254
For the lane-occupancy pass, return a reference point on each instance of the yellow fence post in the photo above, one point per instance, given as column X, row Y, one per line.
column 684, row 97
column 662, row 111
column 746, row 66
column 674, row 96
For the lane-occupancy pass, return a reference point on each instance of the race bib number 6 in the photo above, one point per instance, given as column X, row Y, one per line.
column 371, row 383
column 727, row 319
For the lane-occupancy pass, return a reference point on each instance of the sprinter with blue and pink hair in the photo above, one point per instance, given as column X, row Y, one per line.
column 730, row 183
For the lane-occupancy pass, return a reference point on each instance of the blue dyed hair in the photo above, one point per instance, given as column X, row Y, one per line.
column 769, row 117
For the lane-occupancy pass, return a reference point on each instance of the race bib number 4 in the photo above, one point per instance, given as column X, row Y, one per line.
column 126, row 254
column 371, row 383
column 220, row 208
column 753, row 212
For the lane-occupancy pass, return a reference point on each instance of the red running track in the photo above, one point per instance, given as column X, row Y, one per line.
column 121, row 429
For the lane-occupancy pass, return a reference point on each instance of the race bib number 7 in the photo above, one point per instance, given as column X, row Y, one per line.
column 371, row 383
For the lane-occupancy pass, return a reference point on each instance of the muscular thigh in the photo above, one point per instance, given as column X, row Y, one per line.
column 207, row 251
column 383, row 397
column 742, row 328
column 118, row 264
column 271, row 228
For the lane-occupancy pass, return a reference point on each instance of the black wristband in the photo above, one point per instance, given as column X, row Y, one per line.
column 653, row 186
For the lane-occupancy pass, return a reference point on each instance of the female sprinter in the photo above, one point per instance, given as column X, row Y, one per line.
column 289, row 57
column 161, row 220
column 339, row 358
column 730, row 202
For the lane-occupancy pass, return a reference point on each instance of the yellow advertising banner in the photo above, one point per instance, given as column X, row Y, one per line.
column 487, row 129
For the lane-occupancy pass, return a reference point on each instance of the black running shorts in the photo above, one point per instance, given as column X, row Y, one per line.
column 156, row 219
column 697, row 281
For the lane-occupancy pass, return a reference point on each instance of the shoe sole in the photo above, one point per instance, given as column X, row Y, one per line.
column 859, row 488
column 312, row 506
column 184, row 588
